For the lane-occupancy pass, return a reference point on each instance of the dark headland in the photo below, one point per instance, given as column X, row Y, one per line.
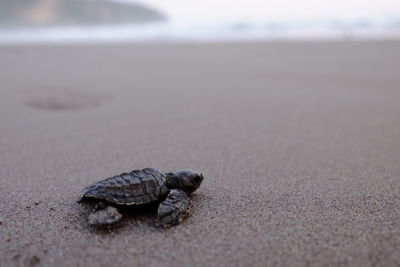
column 70, row 13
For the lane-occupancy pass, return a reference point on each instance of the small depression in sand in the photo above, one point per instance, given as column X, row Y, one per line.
column 65, row 100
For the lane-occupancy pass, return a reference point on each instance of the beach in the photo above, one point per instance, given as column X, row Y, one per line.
column 299, row 144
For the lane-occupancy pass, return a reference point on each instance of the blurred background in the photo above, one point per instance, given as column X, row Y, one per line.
column 192, row 20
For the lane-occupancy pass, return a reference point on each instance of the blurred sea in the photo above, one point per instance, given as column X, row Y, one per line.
column 86, row 21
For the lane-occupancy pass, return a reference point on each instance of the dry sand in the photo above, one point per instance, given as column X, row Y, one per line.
column 299, row 144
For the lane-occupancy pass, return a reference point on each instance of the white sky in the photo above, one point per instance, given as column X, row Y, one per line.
column 211, row 11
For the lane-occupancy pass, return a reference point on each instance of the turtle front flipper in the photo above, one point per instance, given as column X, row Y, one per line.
column 174, row 208
column 104, row 216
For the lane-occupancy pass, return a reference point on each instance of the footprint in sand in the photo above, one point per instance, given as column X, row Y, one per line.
column 65, row 100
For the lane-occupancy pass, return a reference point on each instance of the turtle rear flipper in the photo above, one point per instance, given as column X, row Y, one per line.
column 106, row 216
column 174, row 208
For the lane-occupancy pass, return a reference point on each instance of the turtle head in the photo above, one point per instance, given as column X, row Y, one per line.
column 186, row 180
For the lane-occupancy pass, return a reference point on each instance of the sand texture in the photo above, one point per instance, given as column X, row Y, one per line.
column 299, row 144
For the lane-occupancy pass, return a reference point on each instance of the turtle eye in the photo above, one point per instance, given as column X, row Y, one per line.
column 197, row 179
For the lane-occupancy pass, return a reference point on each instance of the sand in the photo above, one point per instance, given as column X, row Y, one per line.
column 299, row 144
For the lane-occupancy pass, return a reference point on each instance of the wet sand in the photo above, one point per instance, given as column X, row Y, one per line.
column 299, row 144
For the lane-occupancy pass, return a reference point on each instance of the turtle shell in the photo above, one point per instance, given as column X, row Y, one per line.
column 134, row 188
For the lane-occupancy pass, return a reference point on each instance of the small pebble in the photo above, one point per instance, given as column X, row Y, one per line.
column 34, row 260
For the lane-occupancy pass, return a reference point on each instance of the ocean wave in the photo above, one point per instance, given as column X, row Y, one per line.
column 164, row 32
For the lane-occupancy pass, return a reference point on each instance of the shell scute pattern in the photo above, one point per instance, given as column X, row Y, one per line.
column 137, row 187
column 138, row 173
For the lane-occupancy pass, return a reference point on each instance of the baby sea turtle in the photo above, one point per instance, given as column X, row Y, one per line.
column 142, row 187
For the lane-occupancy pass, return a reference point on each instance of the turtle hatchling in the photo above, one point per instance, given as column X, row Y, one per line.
column 141, row 187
